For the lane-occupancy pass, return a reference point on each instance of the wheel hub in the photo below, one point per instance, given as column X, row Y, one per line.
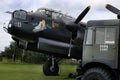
column 52, row 68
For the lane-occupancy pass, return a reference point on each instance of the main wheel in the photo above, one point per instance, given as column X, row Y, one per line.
column 97, row 73
column 49, row 69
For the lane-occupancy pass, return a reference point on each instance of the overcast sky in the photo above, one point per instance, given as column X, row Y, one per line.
column 72, row 7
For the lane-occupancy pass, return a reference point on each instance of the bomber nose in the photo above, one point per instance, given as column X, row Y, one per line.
column 10, row 28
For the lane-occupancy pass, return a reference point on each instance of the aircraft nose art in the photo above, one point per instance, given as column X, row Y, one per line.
column 40, row 26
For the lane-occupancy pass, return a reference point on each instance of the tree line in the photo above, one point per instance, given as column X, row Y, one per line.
column 14, row 53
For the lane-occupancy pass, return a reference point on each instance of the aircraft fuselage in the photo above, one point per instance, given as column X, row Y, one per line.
column 45, row 32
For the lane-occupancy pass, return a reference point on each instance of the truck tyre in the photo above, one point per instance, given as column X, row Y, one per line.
column 50, row 70
column 97, row 73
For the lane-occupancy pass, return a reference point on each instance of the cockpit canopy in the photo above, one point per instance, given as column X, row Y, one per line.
column 54, row 14
column 20, row 14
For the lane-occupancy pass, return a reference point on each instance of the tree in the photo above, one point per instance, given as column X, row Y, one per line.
column 1, row 56
column 13, row 52
column 34, row 57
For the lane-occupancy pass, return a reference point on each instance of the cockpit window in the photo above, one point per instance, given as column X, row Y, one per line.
column 67, row 18
column 49, row 13
column 45, row 12
column 54, row 14
column 42, row 11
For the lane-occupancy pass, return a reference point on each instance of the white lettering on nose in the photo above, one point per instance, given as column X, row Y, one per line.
column 19, row 24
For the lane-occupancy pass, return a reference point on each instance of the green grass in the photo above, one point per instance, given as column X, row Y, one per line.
column 32, row 72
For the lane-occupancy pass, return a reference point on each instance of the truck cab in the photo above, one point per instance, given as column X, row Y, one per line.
column 101, row 53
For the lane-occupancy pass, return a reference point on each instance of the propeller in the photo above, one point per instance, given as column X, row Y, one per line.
column 82, row 15
column 113, row 9
column 73, row 26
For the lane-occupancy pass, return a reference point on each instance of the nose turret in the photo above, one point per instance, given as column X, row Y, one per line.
column 18, row 16
column 7, row 28
column 20, row 26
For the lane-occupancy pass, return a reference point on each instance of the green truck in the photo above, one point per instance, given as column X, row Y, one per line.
column 100, row 59
column 101, row 49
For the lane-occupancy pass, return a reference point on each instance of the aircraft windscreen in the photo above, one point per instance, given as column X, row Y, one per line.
column 54, row 14
column 42, row 11
column 67, row 18
column 20, row 14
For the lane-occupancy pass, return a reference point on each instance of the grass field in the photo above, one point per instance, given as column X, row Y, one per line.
column 32, row 72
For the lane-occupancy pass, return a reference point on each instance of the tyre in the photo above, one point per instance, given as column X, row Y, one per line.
column 97, row 73
column 50, row 70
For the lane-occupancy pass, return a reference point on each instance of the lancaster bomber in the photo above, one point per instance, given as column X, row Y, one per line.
column 50, row 32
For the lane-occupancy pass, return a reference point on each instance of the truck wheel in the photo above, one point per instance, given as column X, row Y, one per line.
column 50, row 70
column 97, row 73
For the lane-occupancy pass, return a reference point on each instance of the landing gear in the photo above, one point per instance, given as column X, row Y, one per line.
column 50, row 67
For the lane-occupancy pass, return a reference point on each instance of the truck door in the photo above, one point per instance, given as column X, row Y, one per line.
column 101, row 45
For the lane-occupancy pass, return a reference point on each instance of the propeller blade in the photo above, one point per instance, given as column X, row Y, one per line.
column 69, row 53
column 82, row 15
column 112, row 9
column 8, row 12
column 73, row 27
